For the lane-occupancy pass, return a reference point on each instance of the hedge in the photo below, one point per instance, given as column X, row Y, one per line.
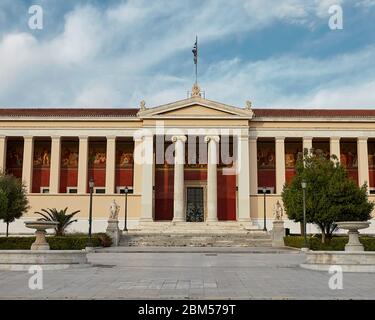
column 68, row 242
column 337, row 243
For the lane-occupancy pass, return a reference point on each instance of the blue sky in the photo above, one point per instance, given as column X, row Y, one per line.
column 278, row 54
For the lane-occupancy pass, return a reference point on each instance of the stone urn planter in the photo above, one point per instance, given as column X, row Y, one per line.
column 40, row 233
column 353, row 226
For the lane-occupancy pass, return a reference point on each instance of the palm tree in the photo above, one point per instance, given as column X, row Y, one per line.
column 61, row 217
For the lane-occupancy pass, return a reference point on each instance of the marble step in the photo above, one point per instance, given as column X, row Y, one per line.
column 203, row 240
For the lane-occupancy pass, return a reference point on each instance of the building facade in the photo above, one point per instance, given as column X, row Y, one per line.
column 193, row 160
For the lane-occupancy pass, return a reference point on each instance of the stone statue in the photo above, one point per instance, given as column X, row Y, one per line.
column 278, row 211
column 114, row 210
column 142, row 105
column 249, row 105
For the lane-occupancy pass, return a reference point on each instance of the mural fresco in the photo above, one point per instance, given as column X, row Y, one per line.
column 292, row 152
column 42, row 154
column 69, row 154
column 97, row 155
column 371, row 154
column 266, row 155
column 348, row 157
column 322, row 148
column 14, row 154
column 124, row 155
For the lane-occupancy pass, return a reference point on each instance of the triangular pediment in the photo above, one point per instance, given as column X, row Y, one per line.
column 196, row 108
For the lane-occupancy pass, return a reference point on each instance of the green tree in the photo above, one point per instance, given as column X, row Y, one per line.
column 331, row 196
column 13, row 200
column 59, row 216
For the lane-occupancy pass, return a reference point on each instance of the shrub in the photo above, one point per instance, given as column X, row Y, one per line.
column 69, row 242
column 59, row 216
column 337, row 243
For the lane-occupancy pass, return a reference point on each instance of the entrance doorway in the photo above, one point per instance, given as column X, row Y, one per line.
column 195, row 204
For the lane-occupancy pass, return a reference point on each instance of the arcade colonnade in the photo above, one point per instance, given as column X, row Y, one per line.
column 143, row 173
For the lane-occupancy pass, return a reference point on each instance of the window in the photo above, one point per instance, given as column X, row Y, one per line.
column 372, row 190
column 121, row 190
column 269, row 190
column 44, row 189
column 99, row 190
column 71, row 190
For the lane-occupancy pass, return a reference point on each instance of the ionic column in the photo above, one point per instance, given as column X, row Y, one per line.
column 243, row 179
column 147, row 178
column 280, row 163
column 179, row 161
column 335, row 147
column 28, row 159
column 253, row 166
column 212, row 177
column 307, row 143
column 3, row 153
column 363, row 170
column 83, row 164
column 137, row 166
column 110, row 169
column 54, row 177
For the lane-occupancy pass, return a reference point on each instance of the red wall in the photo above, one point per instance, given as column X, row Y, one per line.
column 267, row 178
column 226, row 196
column 353, row 173
column 289, row 174
column 164, row 179
column 124, row 177
column 68, row 178
column 98, row 174
column 40, row 179
column 372, row 178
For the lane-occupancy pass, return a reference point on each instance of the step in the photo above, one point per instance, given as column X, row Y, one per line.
column 196, row 240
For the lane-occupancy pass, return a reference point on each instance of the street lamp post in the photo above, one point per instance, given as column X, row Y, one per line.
column 126, row 191
column 264, row 209
column 304, row 185
column 91, row 186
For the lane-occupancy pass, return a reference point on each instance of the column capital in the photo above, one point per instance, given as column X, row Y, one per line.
column 28, row 138
column 362, row 139
column 111, row 138
column 307, row 138
column 139, row 137
column 178, row 138
column 335, row 138
column 212, row 138
column 253, row 139
column 280, row 139
column 55, row 137
column 83, row 137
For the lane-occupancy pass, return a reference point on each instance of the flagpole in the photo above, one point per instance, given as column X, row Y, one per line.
column 196, row 65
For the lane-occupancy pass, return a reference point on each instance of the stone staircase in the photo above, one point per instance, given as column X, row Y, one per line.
column 221, row 234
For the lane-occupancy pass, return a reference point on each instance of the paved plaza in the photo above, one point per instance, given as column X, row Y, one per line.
column 189, row 274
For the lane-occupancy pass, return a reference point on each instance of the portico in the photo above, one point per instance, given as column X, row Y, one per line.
column 190, row 160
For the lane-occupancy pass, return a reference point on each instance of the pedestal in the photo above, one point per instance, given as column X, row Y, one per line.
column 40, row 241
column 354, row 245
column 278, row 233
column 114, row 232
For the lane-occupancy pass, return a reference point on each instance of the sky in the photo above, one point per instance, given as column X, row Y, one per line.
column 275, row 53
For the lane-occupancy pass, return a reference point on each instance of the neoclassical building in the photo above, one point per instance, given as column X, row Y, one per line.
column 193, row 160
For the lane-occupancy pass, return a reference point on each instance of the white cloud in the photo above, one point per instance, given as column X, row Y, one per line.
column 112, row 57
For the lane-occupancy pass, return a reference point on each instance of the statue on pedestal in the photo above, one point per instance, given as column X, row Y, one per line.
column 278, row 231
column 114, row 210
column 113, row 229
column 278, row 211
